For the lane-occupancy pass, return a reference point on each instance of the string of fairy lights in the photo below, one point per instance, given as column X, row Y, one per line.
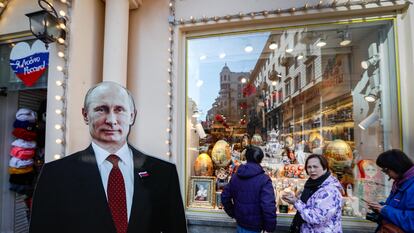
column 171, row 29
column 62, row 46
column 320, row 5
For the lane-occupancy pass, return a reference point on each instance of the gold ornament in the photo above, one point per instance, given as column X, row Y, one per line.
column 257, row 140
column 203, row 165
column 221, row 154
column 315, row 140
column 339, row 155
column 288, row 141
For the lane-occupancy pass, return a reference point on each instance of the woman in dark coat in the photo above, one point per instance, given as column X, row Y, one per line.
column 249, row 197
column 399, row 207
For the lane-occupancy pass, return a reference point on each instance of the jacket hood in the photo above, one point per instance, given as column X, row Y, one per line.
column 249, row 170
column 333, row 181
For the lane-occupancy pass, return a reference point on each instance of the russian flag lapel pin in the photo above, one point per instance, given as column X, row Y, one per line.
column 143, row 174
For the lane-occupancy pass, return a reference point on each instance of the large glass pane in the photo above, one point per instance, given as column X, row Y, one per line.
column 327, row 89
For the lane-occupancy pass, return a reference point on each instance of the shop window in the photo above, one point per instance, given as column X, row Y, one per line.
column 280, row 95
column 15, row 95
column 8, row 79
column 296, row 83
column 287, row 87
column 329, row 115
column 310, row 72
column 296, row 39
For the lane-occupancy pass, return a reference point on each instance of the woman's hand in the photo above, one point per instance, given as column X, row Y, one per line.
column 376, row 207
column 289, row 198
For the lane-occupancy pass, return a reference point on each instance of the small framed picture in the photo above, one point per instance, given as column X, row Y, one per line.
column 201, row 193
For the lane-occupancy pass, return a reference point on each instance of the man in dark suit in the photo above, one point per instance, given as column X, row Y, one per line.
column 110, row 187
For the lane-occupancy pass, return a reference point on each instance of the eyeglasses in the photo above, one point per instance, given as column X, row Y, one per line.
column 385, row 170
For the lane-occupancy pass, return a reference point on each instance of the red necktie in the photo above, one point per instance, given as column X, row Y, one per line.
column 117, row 196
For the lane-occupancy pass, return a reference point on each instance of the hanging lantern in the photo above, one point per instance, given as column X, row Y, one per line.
column 46, row 25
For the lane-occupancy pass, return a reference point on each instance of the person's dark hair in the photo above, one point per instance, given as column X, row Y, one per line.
column 322, row 160
column 254, row 154
column 395, row 160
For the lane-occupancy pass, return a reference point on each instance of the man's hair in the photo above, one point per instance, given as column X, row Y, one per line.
column 395, row 160
column 87, row 96
column 322, row 161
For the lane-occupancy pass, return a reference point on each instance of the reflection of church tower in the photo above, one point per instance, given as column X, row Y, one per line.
column 230, row 94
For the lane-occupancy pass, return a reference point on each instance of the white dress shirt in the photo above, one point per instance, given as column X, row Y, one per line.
column 126, row 165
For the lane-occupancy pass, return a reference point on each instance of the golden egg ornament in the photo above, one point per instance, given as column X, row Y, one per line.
column 203, row 165
column 315, row 140
column 339, row 155
column 221, row 154
column 288, row 141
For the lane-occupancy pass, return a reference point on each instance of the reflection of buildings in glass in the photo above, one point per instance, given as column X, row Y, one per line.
column 304, row 87
column 230, row 101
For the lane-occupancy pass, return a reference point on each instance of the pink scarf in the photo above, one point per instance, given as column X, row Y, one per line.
column 407, row 175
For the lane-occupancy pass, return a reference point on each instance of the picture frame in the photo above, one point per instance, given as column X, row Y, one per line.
column 201, row 192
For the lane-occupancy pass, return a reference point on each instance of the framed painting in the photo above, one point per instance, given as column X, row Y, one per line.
column 201, row 193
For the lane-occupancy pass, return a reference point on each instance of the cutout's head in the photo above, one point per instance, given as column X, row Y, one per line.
column 109, row 110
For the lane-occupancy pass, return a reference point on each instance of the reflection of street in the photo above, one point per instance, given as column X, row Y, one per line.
column 201, row 193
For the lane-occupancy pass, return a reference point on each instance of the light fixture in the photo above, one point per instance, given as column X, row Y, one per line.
column 61, row 54
column 62, row 24
column 58, row 111
column 372, row 96
column 59, row 97
column 222, row 55
column 248, row 49
column 372, row 61
column 56, row 156
column 46, row 24
column 62, row 13
column 196, row 114
column 273, row 45
column 58, row 126
column 274, row 83
column 59, row 83
column 345, row 38
column 321, row 42
column 243, row 80
column 200, row 130
column 199, row 83
column 61, row 40
column 2, row 5
column 367, row 122
column 59, row 141
column 300, row 56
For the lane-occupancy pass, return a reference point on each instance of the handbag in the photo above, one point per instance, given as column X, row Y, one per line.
column 387, row 227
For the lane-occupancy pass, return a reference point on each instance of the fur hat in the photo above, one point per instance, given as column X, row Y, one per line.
column 25, row 114
column 19, row 163
column 24, row 134
column 22, row 153
column 24, row 144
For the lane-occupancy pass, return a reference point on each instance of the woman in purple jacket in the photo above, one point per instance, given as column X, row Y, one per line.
column 249, row 197
column 319, row 208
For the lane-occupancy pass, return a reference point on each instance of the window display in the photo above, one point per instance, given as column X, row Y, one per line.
column 324, row 89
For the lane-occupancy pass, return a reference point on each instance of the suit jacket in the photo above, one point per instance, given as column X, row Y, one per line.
column 70, row 198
